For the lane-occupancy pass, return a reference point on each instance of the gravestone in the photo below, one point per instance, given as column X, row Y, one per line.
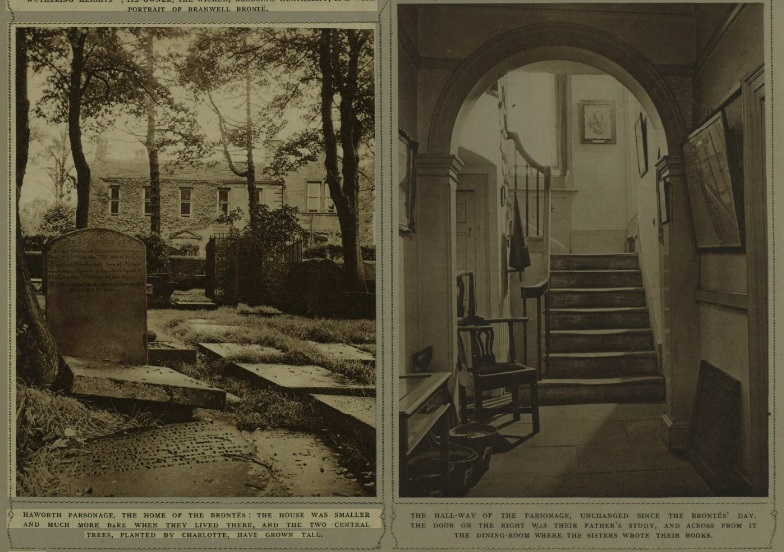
column 96, row 295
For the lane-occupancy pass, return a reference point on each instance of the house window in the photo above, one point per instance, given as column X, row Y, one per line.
column 314, row 197
column 114, row 200
column 223, row 201
column 319, row 198
column 147, row 201
column 185, row 202
column 259, row 193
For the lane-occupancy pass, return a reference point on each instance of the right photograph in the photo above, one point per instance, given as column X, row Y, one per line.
column 582, row 259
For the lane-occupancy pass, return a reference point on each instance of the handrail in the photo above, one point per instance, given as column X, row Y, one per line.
column 539, row 289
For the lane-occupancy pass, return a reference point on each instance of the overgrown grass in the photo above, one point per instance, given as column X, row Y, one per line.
column 49, row 423
column 289, row 334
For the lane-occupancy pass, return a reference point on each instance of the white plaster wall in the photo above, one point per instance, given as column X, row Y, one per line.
column 600, row 171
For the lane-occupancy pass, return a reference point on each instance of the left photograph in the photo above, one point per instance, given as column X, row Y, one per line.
column 195, row 261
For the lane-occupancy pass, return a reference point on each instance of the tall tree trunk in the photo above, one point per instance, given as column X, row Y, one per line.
column 345, row 197
column 36, row 352
column 77, row 37
column 152, row 147
column 253, row 198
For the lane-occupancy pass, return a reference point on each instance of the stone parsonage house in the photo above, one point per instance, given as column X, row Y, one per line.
column 193, row 198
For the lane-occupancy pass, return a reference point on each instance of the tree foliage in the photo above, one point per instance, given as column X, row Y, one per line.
column 170, row 126
column 230, row 65
column 90, row 78
column 57, row 220
column 338, row 64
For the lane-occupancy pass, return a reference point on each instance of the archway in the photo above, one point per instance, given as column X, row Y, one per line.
column 440, row 165
column 548, row 42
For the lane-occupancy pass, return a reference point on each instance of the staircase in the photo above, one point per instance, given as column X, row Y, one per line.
column 600, row 341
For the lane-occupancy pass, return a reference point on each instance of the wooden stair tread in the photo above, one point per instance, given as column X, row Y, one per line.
column 587, row 310
column 595, row 289
column 604, row 354
column 606, row 331
column 625, row 380
column 593, row 270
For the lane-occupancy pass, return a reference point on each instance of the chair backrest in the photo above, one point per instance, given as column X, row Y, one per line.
column 482, row 339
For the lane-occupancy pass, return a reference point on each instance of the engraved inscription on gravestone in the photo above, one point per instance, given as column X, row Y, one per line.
column 96, row 295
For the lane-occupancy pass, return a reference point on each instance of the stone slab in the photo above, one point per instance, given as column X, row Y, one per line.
column 307, row 465
column 177, row 460
column 96, row 295
column 361, row 409
column 308, row 379
column 161, row 353
column 141, row 383
column 342, row 351
column 181, row 304
column 239, row 351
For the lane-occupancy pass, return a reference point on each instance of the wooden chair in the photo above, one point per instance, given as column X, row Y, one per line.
column 488, row 374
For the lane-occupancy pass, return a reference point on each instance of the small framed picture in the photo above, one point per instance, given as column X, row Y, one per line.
column 597, row 122
column 406, row 164
column 663, row 196
column 641, row 138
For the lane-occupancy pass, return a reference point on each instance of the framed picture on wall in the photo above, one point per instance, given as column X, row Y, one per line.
column 406, row 166
column 641, row 139
column 597, row 122
column 715, row 197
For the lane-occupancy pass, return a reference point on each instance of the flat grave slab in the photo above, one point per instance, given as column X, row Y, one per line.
column 184, row 304
column 361, row 409
column 189, row 459
column 161, row 353
column 239, row 351
column 309, row 379
column 158, row 384
column 309, row 467
column 343, row 351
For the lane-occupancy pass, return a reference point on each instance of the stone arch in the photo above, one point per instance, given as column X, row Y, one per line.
column 570, row 42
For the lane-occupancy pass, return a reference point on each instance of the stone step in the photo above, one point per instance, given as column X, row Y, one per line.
column 598, row 318
column 636, row 389
column 305, row 379
column 579, row 341
column 145, row 384
column 602, row 364
column 595, row 278
column 618, row 261
column 597, row 297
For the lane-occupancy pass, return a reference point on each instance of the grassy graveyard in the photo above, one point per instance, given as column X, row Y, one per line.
column 52, row 427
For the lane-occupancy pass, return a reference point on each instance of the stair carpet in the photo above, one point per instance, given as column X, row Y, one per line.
column 601, row 343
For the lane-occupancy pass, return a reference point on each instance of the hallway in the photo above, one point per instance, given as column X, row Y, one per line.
column 588, row 450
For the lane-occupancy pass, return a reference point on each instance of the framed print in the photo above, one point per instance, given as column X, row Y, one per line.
column 716, row 203
column 597, row 122
column 641, row 140
column 406, row 164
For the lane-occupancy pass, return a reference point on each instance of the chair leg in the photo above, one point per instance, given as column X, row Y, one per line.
column 535, row 405
column 516, row 402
